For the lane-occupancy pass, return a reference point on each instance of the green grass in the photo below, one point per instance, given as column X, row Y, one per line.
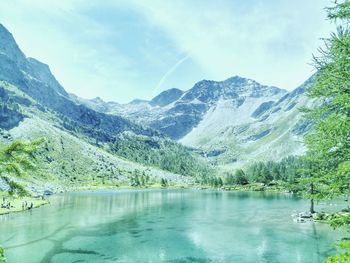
column 16, row 203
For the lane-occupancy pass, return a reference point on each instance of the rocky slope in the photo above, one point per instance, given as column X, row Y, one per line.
column 175, row 113
column 78, row 138
column 36, row 80
column 66, row 159
column 258, row 130
column 231, row 123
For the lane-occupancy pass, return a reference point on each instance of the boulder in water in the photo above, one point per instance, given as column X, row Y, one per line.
column 48, row 192
column 305, row 215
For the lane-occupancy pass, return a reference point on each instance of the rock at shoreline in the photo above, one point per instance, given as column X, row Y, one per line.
column 48, row 192
column 305, row 215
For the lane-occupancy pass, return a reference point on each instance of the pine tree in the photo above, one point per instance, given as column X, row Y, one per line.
column 240, row 177
column 164, row 182
column 2, row 255
column 15, row 159
column 329, row 142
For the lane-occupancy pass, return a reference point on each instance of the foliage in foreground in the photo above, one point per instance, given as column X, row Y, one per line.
column 329, row 142
column 343, row 257
column 2, row 255
column 15, row 159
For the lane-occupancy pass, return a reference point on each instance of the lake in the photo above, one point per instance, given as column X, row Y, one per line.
column 165, row 226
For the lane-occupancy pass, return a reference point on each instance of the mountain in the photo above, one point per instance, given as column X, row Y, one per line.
column 80, row 141
column 166, row 97
column 231, row 123
column 175, row 113
column 36, row 80
column 260, row 129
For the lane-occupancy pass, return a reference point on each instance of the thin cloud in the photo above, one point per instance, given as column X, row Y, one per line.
column 168, row 73
column 119, row 50
column 268, row 41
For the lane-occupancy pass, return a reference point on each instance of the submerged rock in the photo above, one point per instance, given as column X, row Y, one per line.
column 305, row 215
column 48, row 192
column 300, row 220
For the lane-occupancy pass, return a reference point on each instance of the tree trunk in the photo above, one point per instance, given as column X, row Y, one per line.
column 312, row 209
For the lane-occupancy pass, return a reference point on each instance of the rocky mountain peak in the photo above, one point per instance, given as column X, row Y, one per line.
column 166, row 97
column 42, row 73
column 305, row 86
column 15, row 66
column 231, row 88
column 36, row 80
column 238, row 80
column 97, row 100
column 9, row 47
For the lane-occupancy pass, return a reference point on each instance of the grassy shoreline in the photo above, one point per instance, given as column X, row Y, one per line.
column 17, row 203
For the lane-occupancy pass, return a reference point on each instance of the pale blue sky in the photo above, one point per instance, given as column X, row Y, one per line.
column 121, row 50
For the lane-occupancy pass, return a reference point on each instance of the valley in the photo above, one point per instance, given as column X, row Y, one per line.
column 215, row 166
column 182, row 137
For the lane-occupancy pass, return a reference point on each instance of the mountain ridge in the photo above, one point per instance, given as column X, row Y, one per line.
column 240, row 111
column 181, row 113
column 36, row 79
column 230, row 122
column 79, row 148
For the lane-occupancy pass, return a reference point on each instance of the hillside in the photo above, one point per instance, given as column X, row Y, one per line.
column 261, row 129
column 36, row 80
column 78, row 149
column 230, row 123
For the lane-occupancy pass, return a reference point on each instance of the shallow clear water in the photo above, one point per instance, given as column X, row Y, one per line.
column 165, row 226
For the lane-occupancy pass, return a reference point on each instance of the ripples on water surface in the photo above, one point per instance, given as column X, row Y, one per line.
column 165, row 226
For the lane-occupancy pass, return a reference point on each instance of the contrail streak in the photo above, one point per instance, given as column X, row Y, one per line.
column 169, row 72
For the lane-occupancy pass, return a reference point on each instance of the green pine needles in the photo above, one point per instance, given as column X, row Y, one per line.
column 15, row 159
column 2, row 255
column 329, row 142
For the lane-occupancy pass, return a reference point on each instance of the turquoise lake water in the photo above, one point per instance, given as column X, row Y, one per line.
column 165, row 226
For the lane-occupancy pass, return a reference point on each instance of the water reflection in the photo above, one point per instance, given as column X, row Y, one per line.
column 165, row 226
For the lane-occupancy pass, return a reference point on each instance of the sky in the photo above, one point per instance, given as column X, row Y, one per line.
column 122, row 50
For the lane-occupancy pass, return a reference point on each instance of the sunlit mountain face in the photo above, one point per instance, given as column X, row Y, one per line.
column 232, row 122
